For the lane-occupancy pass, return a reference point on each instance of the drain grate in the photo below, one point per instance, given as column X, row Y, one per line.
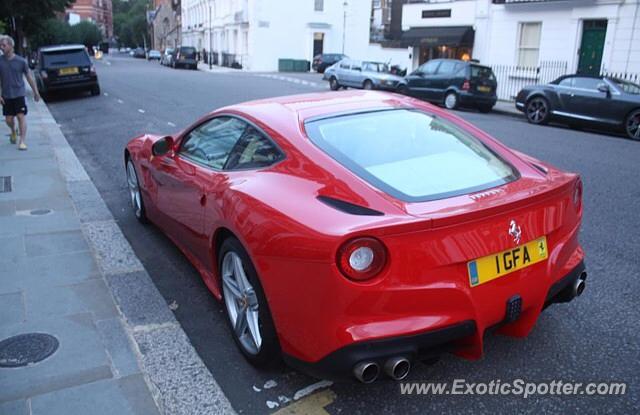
column 26, row 349
column 5, row 184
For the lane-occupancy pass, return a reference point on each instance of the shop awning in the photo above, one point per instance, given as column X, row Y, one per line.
column 439, row 36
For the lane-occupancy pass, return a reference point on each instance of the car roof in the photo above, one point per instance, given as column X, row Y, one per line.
column 58, row 48
column 301, row 108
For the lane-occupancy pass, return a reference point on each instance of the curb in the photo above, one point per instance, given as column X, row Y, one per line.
column 175, row 375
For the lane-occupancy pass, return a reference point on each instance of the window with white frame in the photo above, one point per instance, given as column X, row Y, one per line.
column 319, row 5
column 529, row 44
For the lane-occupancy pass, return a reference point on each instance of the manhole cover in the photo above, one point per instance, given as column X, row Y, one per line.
column 25, row 349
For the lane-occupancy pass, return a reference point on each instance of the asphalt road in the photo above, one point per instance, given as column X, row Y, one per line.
column 592, row 339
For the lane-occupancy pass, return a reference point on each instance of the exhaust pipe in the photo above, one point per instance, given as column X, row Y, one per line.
column 397, row 368
column 580, row 284
column 366, row 372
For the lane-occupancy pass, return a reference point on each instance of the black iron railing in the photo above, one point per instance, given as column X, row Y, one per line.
column 511, row 79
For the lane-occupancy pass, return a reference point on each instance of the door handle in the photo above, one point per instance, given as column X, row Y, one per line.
column 203, row 200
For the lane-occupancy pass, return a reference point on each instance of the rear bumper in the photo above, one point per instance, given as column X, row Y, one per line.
column 67, row 85
column 467, row 99
column 338, row 365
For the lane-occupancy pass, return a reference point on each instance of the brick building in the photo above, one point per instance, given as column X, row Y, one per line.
column 98, row 11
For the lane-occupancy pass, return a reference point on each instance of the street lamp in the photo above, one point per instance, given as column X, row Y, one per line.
column 344, row 23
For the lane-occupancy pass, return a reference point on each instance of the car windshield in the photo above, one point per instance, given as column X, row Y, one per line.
column 58, row 58
column 188, row 53
column 411, row 155
column 375, row 67
column 626, row 86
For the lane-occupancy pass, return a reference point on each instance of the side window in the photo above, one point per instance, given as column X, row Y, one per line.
column 430, row 67
column 356, row 66
column 254, row 150
column 447, row 67
column 566, row 82
column 344, row 65
column 211, row 142
column 586, row 83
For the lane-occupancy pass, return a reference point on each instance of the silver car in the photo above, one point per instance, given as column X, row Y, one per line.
column 166, row 57
column 361, row 74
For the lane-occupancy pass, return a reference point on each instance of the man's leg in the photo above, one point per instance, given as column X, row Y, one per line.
column 22, row 122
column 9, row 119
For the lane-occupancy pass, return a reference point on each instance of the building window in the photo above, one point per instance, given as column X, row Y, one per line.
column 529, row 45
column 319, row 5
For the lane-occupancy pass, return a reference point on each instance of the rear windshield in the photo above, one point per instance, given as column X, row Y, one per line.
column 188, row 52
column 410, row 155
column 77, row 57
column 482, row 72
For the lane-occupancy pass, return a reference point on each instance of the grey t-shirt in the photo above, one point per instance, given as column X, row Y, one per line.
column 11, row 76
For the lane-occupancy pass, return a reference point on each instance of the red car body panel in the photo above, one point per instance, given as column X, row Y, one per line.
column 292, row 237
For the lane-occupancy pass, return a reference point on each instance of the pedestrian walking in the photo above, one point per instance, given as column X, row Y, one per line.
column 13, row 69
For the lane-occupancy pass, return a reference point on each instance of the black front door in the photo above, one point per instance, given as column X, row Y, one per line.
column 318, row 43
column 592, row 46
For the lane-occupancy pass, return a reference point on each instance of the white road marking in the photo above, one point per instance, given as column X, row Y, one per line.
column 171, row 124
column 270, row 384
column 141, row 111
column 120, row 101
column 106, row 94
column 311, row 388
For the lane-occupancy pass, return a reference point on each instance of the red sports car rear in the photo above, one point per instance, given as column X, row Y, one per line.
column 381, row 231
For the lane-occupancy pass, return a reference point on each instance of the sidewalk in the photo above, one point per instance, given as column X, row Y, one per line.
column 103, row 340
column 507, row 108
column 216, row 69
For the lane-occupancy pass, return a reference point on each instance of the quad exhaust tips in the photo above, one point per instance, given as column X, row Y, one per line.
column 396, row 368
column 580, row 284
column 366, row 372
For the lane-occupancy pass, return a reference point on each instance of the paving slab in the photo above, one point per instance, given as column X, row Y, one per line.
column 124, row 396
column 12, row 309
column 118, row 346
column 53, row 243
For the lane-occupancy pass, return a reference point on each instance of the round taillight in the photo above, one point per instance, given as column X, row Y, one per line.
column 577, row 194
column 362, row 258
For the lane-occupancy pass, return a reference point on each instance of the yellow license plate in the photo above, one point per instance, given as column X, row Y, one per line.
column 484, row 89
column 494, row 266
column 68, row 71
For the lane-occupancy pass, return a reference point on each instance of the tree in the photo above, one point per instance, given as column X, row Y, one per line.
column 53, row 32
column 86, row 33
column 29, row 16
column 130, row 21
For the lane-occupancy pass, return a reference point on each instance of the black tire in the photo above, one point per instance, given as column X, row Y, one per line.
column 632, row 125
column 402, row 89
column 139, row 212
column 95, row 90
column 334, row 84
column 537, row 110
column 367, row 85
column 485, row 108
column 269, row 354
column 451, row 100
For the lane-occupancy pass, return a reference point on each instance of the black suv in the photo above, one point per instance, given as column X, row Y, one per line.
column 453, row 83
column 322, row 62
column 184, row 56
column 65, row 67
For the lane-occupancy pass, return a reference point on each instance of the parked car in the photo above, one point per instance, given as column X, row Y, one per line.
column 185, row 57
column 351, row 233
column 453, row 83
column 65, row 67
column 361, row 74
column 166, row 57
column 580, row 100
column 324, row 60
column 154, row 54
column 139, row 53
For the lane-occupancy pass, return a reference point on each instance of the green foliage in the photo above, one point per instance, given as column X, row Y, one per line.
column 54, row 32
column 130, row 22
column 22, row 17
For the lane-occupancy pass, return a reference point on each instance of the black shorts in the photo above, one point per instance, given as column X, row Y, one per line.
column 14, row 106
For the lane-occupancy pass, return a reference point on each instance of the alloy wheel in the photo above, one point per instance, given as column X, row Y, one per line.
column 242, row 303
column 633, row 125
column 537, row 110
column 451, row 101
column 134, row 190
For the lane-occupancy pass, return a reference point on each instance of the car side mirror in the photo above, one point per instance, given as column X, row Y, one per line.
column 604, row 88
column 162, row 146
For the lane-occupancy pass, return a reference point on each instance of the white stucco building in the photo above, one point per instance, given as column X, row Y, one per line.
column 583, row 35
column 589, row 35
column 256, row 33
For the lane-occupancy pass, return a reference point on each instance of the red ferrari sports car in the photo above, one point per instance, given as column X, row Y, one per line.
column 351, row 233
